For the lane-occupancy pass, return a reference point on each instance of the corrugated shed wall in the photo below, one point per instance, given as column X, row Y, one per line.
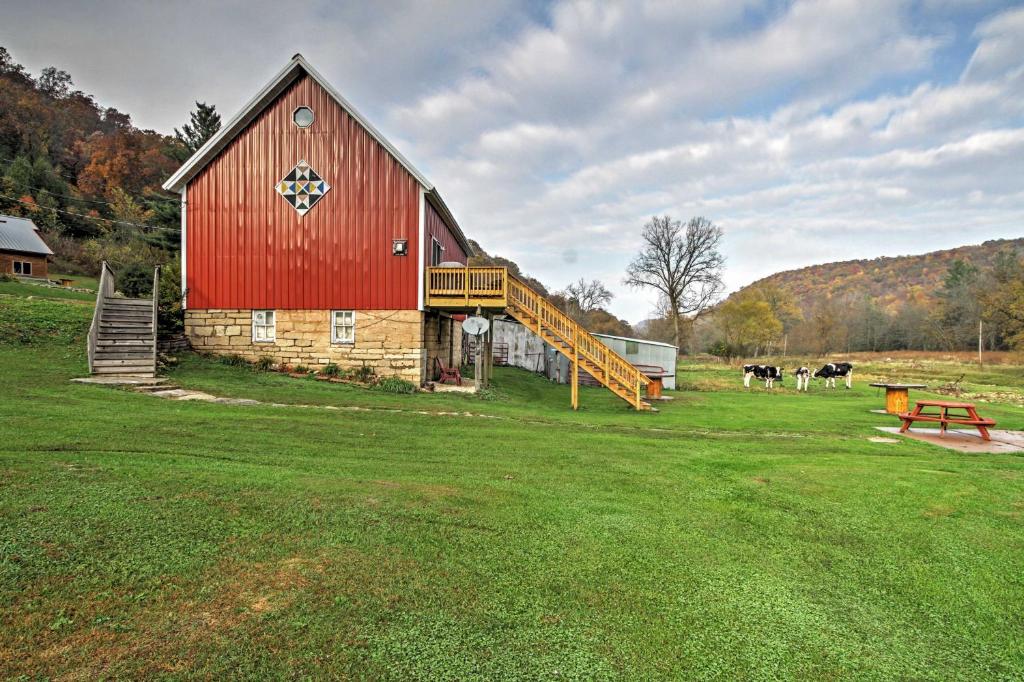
column 437, row 229
column 248, row 248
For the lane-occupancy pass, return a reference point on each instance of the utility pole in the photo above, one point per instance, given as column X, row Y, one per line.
column 980, row 363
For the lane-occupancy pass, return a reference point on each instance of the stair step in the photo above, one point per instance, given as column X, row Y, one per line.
column 127, row 301
column 143, row 355
column 122, row 343
column 139, row 363
column 117, row 371
column 125, row 336
column 129, row 327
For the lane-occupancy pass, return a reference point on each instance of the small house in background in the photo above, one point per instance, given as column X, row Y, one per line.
column 23, row 252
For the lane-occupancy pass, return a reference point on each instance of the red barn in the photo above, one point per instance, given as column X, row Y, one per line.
column 305, row 235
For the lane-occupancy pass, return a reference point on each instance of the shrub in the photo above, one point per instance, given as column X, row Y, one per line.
column 395, row 385
column 264, row 364
column 5, row 277
column 233, row 360
column 330, row 370
column 170, row 314
column 487, row 394
column 300, row 369
column 135, row 281
column 363, row 374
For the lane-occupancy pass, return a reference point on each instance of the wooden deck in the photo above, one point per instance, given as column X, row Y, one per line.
column 466, row 289
column 494, row 289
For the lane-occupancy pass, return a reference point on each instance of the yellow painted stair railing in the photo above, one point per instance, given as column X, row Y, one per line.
column 493, row 288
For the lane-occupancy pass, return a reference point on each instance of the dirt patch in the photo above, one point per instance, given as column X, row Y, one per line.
column 939, row 511
column 762, row 480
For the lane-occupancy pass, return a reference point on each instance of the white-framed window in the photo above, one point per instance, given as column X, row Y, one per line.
column 264, row 326
column 303, row 117
column 343, row 326
column 22, row 268
column 436, row 252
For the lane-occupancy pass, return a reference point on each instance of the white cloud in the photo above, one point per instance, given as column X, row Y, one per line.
column 810, row 130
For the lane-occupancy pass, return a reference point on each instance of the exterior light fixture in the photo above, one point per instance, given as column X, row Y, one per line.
column 400, row 247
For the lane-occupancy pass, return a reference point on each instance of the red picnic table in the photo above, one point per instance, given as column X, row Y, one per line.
column 944, row 418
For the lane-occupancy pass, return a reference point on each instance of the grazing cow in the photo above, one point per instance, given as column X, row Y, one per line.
column 764, row 372
column 836, row 369
column 748, row 373
column 803, row 378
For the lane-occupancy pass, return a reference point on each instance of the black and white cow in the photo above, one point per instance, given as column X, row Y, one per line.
column 763, row 372
column 803, row 378
column 836, row 369
column 748, row 373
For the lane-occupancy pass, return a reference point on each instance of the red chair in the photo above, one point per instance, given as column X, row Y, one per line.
column 446, row 373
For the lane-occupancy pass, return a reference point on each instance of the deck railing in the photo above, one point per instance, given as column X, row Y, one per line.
column 495, row 288
column 590, row 348
column 483, row 286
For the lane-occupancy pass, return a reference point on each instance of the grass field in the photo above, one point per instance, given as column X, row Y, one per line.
column 734, row 534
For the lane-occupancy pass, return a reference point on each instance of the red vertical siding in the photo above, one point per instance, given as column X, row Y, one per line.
column 437, row 229
column 248, row 248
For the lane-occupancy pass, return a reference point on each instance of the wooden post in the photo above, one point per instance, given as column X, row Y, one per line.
column 980, row 363
column 489, row 351
column 575, row 390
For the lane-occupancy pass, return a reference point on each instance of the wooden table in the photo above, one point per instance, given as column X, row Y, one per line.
column 944, row 418
column 897, row 396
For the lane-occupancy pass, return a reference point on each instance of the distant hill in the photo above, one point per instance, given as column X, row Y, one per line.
column 889, row 280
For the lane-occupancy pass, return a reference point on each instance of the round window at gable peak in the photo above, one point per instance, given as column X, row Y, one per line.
column 303, row 117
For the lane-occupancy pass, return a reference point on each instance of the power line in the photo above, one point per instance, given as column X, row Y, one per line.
column 74, row 198
column 68, row 176
column 89, row 217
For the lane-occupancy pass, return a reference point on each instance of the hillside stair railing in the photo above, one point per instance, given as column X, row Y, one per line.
column 494, row 288
column 123, row 333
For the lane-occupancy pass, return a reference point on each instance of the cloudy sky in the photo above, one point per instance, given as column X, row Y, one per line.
column 810, row 131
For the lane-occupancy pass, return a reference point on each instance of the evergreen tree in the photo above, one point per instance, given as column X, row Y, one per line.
column 203, row 124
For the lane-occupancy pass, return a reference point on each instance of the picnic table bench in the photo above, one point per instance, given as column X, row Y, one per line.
column 944, row 418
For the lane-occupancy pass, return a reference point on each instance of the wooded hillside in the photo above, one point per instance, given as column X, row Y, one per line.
column 889, row 281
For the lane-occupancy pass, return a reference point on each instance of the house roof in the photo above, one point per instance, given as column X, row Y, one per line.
column 293, row 70
column 22, row 235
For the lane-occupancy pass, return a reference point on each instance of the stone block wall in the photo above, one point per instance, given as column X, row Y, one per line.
column 389, row 341
column 442, row 337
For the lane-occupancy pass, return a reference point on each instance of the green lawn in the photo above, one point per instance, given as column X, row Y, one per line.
column 734, row 534
column 25, row 289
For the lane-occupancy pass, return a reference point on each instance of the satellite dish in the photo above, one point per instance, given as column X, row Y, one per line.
column 475, row 325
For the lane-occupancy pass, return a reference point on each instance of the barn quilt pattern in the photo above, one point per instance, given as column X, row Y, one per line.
column 302, row 188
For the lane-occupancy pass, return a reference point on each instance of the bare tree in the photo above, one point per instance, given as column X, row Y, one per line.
column 682, row 263
column 587, row 296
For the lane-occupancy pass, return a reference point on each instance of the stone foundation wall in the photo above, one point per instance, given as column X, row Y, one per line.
column 389, row 341
column 443, row 339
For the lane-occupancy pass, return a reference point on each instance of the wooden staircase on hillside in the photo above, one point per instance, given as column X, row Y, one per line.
column 122, row 338
column 493, row 288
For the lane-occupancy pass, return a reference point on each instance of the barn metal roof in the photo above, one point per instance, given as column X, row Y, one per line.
column 21, row 234
column 293, row 70
column 644, row 342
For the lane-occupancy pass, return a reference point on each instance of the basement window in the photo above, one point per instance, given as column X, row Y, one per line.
column 22, row 268
column 264, row 326
column 343, row 326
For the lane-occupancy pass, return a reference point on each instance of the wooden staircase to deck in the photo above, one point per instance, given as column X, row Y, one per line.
column 122, row 338
column 493, row 288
